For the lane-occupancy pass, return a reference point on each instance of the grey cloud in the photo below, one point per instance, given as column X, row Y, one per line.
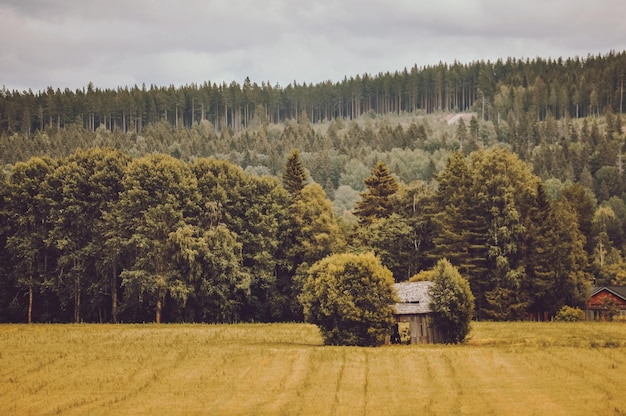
column 121, row 42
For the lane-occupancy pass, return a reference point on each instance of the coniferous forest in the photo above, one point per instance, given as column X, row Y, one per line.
column 209, row 203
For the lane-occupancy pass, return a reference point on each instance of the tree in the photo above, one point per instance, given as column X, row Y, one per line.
column 505, row 189
column 256, row 209
column 350, row 297
column 295, row 177
column 415, row 205
column 29, row 211
column 570, row 280
column 313, row 235
column 316, row 232
column 538, row 248
column 83, row 187
column 460, row 233
column 580, row 199
column 451, row 302
column 482, row 205
column 462, row 136
column 213, row 285
column 160, row 196
column 376, row 202
column 391, row 239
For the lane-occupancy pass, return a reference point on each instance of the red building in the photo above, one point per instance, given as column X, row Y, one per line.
column 606, row 301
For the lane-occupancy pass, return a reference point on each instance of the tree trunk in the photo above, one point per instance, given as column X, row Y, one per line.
column 158, row 308
column 159, row 305
column 77, row 300
column 114, row 296
column 30, row 304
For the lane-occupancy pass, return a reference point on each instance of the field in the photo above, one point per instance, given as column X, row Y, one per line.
column 262, row 369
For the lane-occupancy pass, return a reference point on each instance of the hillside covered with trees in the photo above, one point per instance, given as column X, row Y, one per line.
column 210, row 203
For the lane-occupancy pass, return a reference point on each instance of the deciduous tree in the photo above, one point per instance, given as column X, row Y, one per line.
column 28, row 210
column 160, row 196
column 350, row 297
column 451, row 302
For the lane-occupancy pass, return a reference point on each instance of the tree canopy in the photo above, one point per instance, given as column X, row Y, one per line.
column 452, row 302
column 350, row 297
column 211, row 202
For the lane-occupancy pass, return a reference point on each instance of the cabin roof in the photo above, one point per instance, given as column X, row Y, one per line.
column 414, row 298
column 619, row 291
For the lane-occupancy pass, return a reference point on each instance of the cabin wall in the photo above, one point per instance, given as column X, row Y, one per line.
column 595, row 306
column 422, row 330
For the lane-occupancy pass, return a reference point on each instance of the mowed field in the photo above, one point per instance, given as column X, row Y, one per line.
column 275, row 369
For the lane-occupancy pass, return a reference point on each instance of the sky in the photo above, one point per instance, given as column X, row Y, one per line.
column 118, row 43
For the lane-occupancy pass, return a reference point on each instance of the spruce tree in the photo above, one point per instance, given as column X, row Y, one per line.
column 295, row 177
column 460, row 232
column 376, row 202
column 538, row 248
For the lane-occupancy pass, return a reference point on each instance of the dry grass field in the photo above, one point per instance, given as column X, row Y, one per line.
column 259, row 369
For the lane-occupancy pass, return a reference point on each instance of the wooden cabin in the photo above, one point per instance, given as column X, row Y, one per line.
column 601, row 297
column 414, row 308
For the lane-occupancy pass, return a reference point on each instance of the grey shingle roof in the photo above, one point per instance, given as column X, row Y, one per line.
column 414, row 298
column 619, row 291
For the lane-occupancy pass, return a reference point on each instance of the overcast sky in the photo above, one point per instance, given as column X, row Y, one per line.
column 68, row 43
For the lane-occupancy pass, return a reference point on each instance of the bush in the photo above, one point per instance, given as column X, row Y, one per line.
column 350, row 297
column 569, row 314
column 452, row 302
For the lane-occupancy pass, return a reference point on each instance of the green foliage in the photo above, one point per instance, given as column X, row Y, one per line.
column 295, row 177
column 316, row 232
column 392, row 240
column 160, row 196
column 452, row 302
column 610, row 308
column 423, row 276
column 66, row 244
column 376, row 202
column 569, row 314
column 350, row 297
column 256, row 210
column 28, row 209
column 312, row 235
column 210, row 276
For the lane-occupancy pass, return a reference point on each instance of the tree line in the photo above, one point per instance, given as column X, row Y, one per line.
column 574, row 87
column 188, row 218
column 101, row 236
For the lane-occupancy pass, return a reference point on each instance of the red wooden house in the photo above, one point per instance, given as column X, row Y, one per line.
column 604, row 298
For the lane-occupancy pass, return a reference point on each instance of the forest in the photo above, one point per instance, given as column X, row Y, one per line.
column 209, row 203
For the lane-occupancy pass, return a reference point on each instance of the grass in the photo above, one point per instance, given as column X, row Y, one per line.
column 504, row 368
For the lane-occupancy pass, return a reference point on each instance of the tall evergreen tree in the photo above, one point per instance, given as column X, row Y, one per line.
column 377, row 202
column 580, row 199
column 294, row 177
column 482, row 204
column 460, row 233
column 538, row 249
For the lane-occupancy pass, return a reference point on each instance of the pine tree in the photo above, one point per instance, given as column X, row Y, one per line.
column 461, row 232
column 295, row 177
column 376, row 202
column 538, row 248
